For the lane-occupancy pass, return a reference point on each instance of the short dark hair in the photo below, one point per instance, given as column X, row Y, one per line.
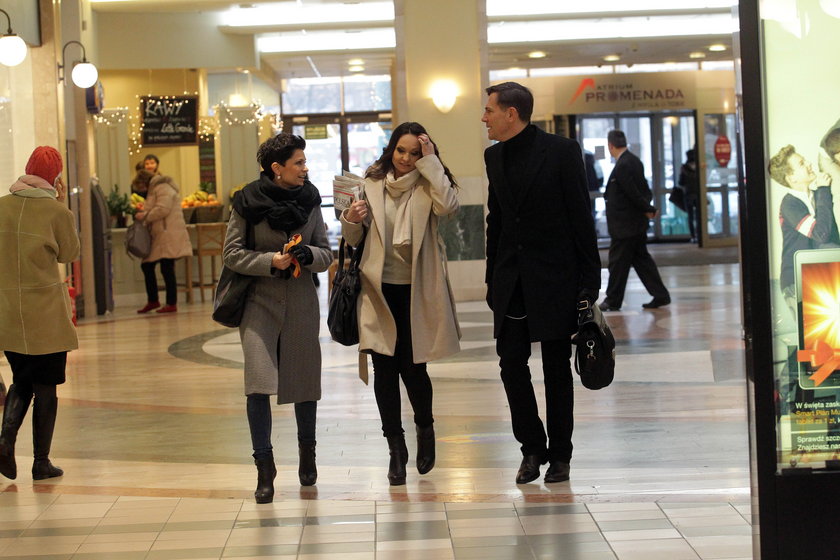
column 779, row 166
column 279, row 148
column 511, row 94
column 617, row 138
column 143, row 177
column 832, row 142
column 152, row 157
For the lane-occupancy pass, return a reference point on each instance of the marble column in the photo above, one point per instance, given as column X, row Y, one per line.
column 441, row 41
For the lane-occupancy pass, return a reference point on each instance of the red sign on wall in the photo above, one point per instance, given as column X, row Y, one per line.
column 723, row 151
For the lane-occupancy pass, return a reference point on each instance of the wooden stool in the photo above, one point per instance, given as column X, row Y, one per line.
column 209, row 242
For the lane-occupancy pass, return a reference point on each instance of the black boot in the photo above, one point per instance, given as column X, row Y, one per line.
column 266, row 472
column 13, row 414
column 43, row 426
column 425, row 448
column 399, row 459
column 307, row 472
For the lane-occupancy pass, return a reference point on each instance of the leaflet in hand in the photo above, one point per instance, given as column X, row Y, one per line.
column 346, row 188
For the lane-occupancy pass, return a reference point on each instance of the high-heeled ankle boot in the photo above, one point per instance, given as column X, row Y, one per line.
column 307, row 472
column 266, row 472
column 399, row 459
column 425, row 448
column 43, row 426
column 14, row 412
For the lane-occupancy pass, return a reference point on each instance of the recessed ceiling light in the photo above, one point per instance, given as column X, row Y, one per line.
column 536, row 54
column 355, row 62
column 612, row 58
column 696, row 54
column 357, row 68
column 717, row 47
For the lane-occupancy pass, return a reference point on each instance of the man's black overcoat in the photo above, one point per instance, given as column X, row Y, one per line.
column 544, row 237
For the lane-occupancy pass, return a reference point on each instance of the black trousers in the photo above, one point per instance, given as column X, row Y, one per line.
column 632, row 252
column 258, row 407
column 514, row 349
column 167, row 270
column 388, row 370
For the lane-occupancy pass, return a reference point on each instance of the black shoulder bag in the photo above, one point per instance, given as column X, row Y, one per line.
column 594, row 348
column 342, row 318
column 232, row 289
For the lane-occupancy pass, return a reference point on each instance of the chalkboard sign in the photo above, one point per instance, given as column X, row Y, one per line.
column 169, row 120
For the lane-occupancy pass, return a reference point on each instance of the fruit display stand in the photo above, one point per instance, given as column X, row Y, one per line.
column 207, row 214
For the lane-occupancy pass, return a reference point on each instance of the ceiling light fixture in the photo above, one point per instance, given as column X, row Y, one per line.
column 12, row 48
column 717, row 47
column 612, row 58
column 697, row 54
column 355, row 62
column 84, row 73
column 537, row 54
column 357, row 68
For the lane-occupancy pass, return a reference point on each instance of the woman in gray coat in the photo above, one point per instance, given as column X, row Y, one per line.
column 281, row 320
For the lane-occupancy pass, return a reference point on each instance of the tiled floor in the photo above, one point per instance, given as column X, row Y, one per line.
column 153, row 437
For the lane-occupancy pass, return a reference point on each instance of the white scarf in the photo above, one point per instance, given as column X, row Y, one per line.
column 401, row 190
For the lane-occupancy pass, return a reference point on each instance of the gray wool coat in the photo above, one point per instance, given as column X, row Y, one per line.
column 281, row 320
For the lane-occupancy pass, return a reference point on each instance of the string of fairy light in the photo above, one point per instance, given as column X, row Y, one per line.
column 209, row 127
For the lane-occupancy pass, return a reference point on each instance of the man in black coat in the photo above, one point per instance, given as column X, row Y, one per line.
column 542, row 259
column 629, row 209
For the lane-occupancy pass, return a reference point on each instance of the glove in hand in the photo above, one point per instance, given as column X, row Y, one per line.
column 302, row 254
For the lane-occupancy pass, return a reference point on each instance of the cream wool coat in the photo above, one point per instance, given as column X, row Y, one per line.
column 165, row 220
column 36, row 233
column 434, row 325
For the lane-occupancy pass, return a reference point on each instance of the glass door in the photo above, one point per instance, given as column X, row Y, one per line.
column 721, row 176
column 335, row 143
column 659, row 140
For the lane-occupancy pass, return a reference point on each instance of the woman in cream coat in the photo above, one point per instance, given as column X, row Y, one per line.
column 170, row 239
column 406, row 309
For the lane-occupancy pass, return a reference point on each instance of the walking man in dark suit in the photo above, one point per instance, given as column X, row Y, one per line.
column 629, row 209
column 542, row 259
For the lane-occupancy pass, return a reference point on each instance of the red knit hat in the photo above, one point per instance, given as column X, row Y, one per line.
column 45, row 162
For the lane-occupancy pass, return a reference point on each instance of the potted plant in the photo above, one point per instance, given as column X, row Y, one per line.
column 119, row 206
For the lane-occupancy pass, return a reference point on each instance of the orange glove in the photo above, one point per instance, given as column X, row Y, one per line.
column 296, row 238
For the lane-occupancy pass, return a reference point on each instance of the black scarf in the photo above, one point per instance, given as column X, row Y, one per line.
column 283, row 209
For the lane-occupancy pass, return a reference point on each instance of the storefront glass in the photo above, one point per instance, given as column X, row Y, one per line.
column 721, row 165
column 803, row 172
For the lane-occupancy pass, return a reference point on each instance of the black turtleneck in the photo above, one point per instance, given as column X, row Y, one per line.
column 517, row 151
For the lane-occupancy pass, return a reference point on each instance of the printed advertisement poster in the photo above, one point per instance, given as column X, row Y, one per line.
column 803, row 182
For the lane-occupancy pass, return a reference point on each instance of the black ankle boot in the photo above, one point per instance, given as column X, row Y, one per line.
column 266, row 472
column 425, row 448
column 43, row 469
column 13, row 414
column 307, row 472
column 43, row 425
column 399, row 459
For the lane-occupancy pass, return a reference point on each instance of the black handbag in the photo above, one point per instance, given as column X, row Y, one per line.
column 138, row 240
column 231, row 291
column 342, row 318
column 594, row 348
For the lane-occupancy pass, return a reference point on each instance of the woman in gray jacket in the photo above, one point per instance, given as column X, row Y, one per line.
column 281, row 319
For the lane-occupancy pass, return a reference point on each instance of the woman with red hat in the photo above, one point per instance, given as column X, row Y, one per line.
column 37, row 231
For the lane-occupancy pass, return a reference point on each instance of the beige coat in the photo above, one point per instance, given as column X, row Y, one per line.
column 435, row 331
column 36, row 233
column 170, row 239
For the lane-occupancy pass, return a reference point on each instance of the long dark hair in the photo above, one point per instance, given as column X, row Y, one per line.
column 385, row 163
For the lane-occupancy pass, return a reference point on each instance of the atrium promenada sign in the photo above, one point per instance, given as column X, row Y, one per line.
column 626, row 92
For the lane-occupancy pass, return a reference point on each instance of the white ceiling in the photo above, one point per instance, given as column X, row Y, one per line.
column 560, row 53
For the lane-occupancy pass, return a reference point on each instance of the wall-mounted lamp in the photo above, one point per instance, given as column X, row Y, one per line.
column 84, row 73
column 444, row 93
column 12, row 47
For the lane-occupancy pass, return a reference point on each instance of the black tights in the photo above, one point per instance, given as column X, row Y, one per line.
column 389, row 369
column 259, row 421
column 167, row 270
